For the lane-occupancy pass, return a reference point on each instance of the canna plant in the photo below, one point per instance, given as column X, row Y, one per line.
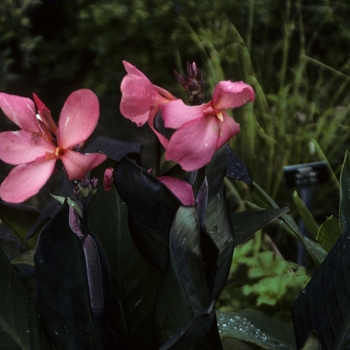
column 124, row 257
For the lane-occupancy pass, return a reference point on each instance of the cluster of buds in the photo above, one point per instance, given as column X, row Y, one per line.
column 193, row 83
column 85, row 188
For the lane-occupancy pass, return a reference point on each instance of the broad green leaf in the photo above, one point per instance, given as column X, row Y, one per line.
column 73, row 288
column 112, row 148
column 10, row 244
column 236, row 168
column 20, row 326
column 324, row 304
column 256, row 327
column 217, row 221
column 19, row 218
column 134, row 278
column 70, row 202
column 152, row 207
column 287, row 222
column 329, row 233
column 188, row 335
column 183, row 281
column 344, row 209
column 306, row 215
column 246, row 223
column 219, row 227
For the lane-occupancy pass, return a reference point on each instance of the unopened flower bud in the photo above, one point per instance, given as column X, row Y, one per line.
column 108, row 179
column 193, row 83
column 93, row 182
column 85, row 187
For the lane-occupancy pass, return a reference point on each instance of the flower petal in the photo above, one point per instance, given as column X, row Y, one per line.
column 228, row 94
column 139, row 95
column 181, row 189
column 194, row 144
column 176, row 113
column 18, row 147
column 26, row 180
column 78, row 118
column 162, row 139
column 77, row 165
column 228, row 128
column 20, row 110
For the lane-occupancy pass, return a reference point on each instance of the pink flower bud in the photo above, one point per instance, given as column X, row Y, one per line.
column 108, row 179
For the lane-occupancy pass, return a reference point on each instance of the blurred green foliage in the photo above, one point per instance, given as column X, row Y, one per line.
column 17, row 44
column 260, row 278
column 83, row 41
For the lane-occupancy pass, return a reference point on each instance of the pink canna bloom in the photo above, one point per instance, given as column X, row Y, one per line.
column 140, row 96
column 36, row 147
column 181, row 189
column 203, row 129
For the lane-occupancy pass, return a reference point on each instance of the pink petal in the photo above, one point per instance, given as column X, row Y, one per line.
column 18, row 147
column 194, row 144
column 228, row 128
column 228, row 94
column 46, row 120
column 26, row 180
column 163, row 140
column 78, row 118
column 77, row 165
column 176, row 113
column 20, row 110
column 139, row 95
column 181, row 189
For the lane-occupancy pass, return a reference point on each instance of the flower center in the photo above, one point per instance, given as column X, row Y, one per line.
column 58, row 153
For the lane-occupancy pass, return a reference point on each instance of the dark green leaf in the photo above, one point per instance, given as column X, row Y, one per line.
column 10, row 244
column 236, row 169
column 219, row 227
column 112, row 148
column 197, row 328
column 184, row 281
column 324, row 305
column 152, row 207
column 329, row 233
column 19, row 218
column 20, row 326
column 315, row 250
column 306, row 215
column 70, row 202
column 216, row 170
column 344, row 211
column 256, row 327
column 74, row 297
column 217, row 222
column 50, row 209
column 135, row 279
column 246, row 223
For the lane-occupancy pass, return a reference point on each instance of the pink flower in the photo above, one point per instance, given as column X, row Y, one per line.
column 140, row 96
column 203, row 129
column 181, row 189
column 36, row 147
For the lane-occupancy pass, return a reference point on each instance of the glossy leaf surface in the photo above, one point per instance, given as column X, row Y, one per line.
column 72, row 306
column 256, row 327
column 134, row 278
column 324, row 304
column 20, row 326
column 152, row 208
